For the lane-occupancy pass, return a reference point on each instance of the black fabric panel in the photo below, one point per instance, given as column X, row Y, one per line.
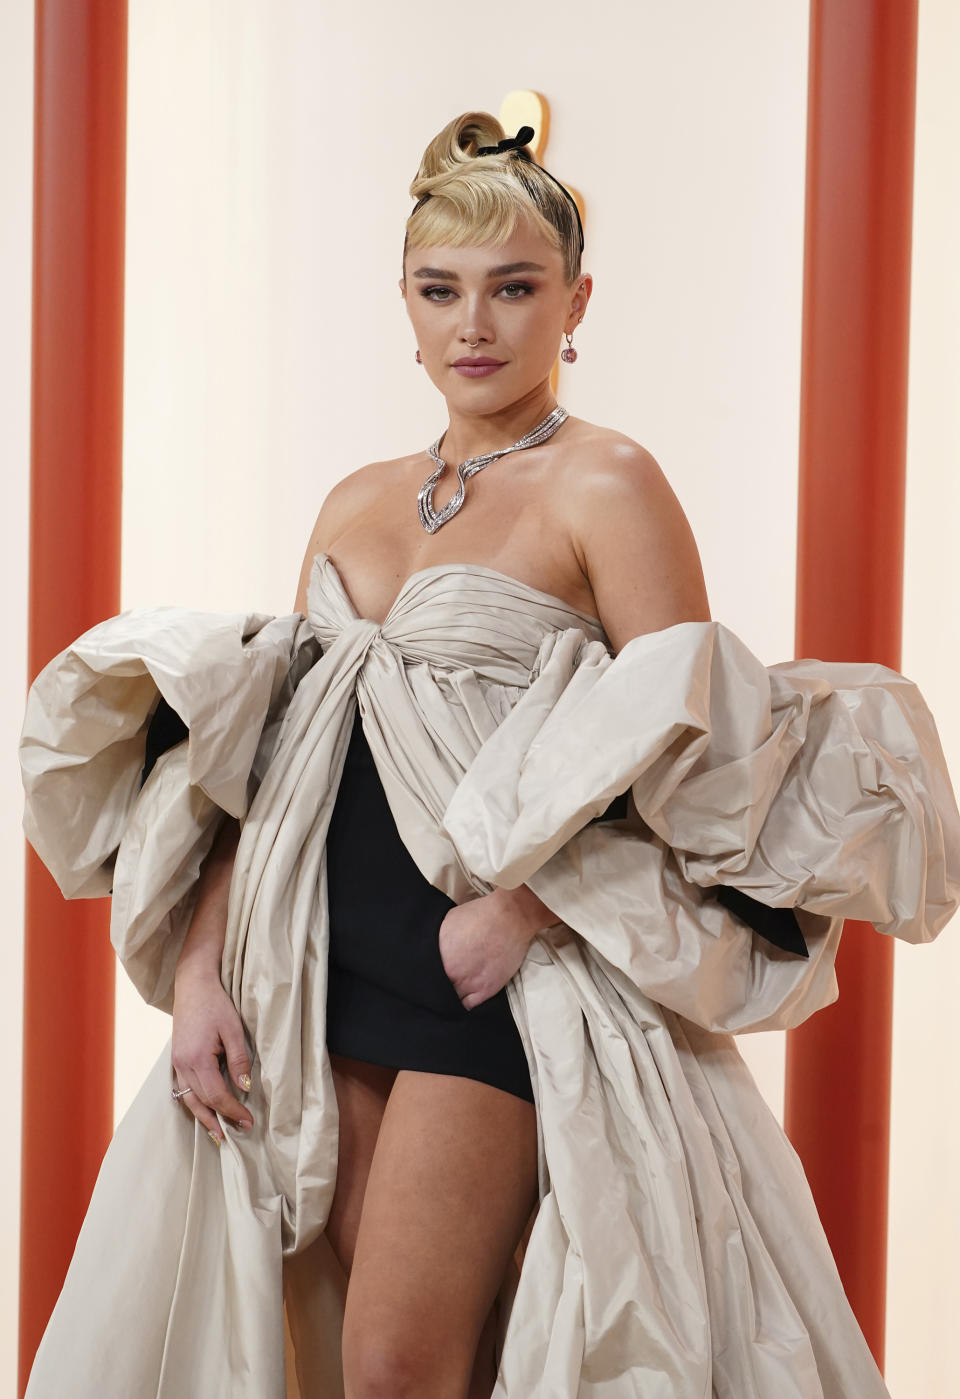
column 389, row 998
column 166, row 729
column 616, row 811
column 777, row 925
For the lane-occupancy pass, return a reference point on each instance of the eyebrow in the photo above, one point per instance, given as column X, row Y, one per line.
column 503, row 270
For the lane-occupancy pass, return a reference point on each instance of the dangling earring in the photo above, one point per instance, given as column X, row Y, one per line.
column 419, row 360
column 569, row 354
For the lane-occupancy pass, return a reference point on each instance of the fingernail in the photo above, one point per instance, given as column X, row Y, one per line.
column 244, row 1081
column 213, row 1137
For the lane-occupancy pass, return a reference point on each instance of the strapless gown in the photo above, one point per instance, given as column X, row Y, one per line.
column 676, row 1248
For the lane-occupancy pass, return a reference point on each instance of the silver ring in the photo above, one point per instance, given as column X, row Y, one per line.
column 179, row 1094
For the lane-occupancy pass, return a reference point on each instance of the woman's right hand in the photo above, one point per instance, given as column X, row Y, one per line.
column 206, row 1026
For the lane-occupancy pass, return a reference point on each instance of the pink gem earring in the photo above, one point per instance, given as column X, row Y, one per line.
column 419, row 360
column 569, row 354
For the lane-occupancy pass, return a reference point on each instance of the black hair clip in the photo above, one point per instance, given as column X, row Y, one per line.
column 509, row 143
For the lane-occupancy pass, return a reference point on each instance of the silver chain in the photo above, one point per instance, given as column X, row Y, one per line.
column 432, row 519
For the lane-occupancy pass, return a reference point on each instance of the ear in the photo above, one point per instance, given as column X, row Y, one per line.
column 402, row 284
column 581, row 297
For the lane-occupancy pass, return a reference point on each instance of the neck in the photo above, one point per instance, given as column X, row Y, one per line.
column 473, row 434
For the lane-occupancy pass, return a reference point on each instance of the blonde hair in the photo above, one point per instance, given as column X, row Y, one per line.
column 465, row 201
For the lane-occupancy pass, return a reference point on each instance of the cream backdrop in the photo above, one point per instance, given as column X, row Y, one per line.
column 268, row 353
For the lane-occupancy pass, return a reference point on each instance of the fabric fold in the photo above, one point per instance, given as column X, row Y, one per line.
column 810, row 785
column 98, row 825
column 813, row 784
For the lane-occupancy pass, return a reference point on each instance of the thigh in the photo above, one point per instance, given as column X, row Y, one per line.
column 362, row 1092
column 451, row 1187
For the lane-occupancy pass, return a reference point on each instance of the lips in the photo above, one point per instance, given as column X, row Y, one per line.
column 477, row 360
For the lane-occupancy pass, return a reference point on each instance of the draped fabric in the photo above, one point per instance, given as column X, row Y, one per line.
column 675, row 1250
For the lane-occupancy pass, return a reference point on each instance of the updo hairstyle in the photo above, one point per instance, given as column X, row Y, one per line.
column 481, row 199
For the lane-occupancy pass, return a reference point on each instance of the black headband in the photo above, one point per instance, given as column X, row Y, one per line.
column 516, row 143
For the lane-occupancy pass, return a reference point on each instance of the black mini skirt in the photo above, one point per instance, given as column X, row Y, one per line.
column 389, row 999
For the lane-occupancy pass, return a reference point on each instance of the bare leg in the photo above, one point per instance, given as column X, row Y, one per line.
column 362, row 1093
column 449, row 1192
column 484, row 1374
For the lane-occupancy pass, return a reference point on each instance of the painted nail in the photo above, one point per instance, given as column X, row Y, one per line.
column 245, row 1081
column 213, row 1137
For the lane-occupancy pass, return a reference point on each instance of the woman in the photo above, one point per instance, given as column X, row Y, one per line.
column 477, row 827
column 587, row 515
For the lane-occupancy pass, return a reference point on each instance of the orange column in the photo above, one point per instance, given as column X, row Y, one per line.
column 76, row 423
column 856, row 301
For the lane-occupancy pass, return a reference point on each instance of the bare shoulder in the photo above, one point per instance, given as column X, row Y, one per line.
column 604, row 464
column 631, row 534
column 346, row 499
column 604, row 473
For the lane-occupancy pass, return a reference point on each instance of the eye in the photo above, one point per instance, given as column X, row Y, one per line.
column 524, row 288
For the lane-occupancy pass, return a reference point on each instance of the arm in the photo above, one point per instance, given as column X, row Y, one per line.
column 635, row 546
column 202, row 949
column 206, row 1023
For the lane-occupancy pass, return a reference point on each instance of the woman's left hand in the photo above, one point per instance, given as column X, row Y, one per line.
column 483, row 942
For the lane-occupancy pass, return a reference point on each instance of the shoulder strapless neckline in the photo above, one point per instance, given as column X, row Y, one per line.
column 322, row 559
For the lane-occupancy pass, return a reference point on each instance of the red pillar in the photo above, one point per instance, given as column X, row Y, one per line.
column 76, row 429
column 856, row 301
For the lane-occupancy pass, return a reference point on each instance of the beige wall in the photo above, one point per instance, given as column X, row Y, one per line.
column 268, row 353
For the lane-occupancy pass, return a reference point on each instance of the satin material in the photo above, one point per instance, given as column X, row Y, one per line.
column 676, row 1250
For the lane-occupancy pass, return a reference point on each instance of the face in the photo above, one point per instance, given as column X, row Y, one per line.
column 518, row 314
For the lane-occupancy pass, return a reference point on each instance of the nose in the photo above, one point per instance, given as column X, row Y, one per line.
column 473, row 337
column 475, row 322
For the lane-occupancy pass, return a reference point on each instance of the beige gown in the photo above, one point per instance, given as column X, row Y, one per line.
column 676, row 1252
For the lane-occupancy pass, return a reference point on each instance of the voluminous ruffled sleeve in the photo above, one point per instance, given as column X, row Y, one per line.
column 137, row 739
column 815, row 786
